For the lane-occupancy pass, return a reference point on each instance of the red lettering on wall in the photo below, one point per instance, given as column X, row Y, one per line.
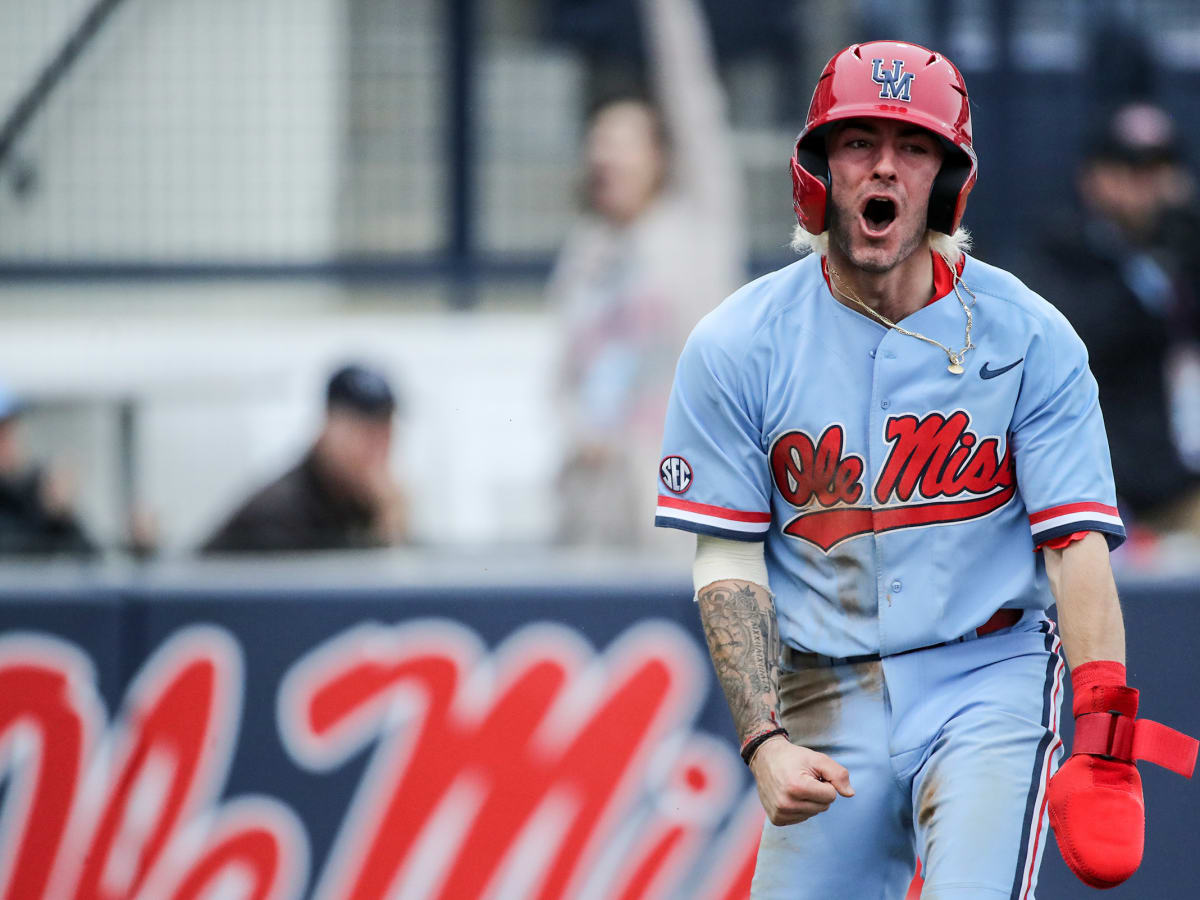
column 731, row 867
column 698, row 791
column 256, row 849
column 554, row 748
column 129, row 814
column 540, row 769
column 48, row 711
column 174, row 737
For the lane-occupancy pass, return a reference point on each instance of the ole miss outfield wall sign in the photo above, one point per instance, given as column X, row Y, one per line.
column 258, row 758
column 530, row 742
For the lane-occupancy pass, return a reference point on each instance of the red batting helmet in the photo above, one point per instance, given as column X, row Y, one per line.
column 888, row 80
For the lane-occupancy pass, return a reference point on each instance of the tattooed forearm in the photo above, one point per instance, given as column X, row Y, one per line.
column 743, row 640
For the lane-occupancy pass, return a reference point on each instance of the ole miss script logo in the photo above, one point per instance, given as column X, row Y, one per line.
column 937, row 471
column 538, row 769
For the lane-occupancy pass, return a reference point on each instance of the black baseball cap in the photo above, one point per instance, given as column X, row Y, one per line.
column 1138, row 134
column 361, row 390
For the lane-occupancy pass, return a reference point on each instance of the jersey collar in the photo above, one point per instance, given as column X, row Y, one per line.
column 943, row 278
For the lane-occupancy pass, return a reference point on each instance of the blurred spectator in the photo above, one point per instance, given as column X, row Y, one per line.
column 37, row 515
column 1125, row 273
column 341, row 495
column 661, row 243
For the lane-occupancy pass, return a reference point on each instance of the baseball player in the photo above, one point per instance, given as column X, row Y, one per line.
column 895, row 462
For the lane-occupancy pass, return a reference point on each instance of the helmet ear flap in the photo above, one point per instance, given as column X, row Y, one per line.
column 810, row 186
column 948, row 193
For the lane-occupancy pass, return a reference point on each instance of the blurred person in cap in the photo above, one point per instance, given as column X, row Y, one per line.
column 1124, row 271
column 341, row 495
column 659, row 245
column 37, row 515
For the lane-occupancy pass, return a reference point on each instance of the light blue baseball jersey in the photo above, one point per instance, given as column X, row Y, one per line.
column 900, row 504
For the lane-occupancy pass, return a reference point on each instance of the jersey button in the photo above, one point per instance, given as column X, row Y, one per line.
column 872, row 352
column 897, row 587
column 885, row 403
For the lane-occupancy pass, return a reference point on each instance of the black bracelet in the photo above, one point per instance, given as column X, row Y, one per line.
column 757, row 741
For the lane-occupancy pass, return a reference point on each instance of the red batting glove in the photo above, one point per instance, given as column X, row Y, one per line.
column 1096, row 806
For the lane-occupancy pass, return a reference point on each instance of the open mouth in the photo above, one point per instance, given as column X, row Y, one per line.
column 878, row 215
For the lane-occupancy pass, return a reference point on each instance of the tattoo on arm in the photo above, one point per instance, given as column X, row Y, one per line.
column 743, row 640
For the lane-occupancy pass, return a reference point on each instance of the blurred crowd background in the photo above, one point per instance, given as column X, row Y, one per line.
column 305, row 274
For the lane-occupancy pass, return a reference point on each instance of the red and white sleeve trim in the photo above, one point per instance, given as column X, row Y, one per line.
column 1072, row 517
column 705, row 518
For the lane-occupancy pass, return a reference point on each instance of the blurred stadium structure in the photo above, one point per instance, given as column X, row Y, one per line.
column 206, row 204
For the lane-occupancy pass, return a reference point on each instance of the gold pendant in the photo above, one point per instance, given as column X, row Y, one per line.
column 954, row 368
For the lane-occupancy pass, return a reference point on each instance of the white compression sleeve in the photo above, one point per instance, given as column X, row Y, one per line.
column 718, row 559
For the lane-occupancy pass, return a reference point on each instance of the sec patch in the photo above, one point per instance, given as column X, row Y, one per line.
column 675, row 473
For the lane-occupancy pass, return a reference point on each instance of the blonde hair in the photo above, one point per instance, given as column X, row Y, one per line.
column 950, row 247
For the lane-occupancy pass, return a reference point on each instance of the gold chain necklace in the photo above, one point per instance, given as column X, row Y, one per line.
column 956, row 358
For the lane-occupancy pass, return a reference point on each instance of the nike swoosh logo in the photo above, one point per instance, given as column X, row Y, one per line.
column 985, row 372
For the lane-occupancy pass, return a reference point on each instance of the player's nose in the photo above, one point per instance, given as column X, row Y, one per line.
column 885, row 162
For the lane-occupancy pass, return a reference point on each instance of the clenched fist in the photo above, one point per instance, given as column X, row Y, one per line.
column 795, row 783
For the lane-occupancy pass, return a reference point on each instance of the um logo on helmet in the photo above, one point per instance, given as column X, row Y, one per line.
column 894, row 84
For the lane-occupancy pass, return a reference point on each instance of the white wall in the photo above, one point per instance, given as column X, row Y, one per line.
column 228, row 387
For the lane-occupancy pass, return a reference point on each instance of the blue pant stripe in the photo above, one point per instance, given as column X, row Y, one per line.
column 1031, row 812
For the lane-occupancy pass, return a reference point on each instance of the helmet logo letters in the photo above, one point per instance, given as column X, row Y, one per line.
column 894, row 84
